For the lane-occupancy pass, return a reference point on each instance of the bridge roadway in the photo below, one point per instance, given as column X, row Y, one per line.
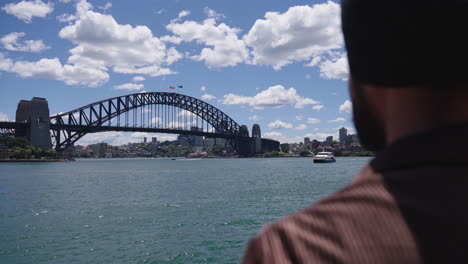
column 95, row 129
column 13, row 124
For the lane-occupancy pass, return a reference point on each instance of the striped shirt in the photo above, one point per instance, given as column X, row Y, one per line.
column 409, row 205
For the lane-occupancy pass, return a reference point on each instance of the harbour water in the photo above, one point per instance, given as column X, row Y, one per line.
column 153, row 210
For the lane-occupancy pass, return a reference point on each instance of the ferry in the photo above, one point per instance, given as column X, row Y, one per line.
column 324, row 157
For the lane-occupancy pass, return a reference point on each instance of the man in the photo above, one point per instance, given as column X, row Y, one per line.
column 409, row 86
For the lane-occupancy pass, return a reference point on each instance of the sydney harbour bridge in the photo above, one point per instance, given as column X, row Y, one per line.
column 153, row 112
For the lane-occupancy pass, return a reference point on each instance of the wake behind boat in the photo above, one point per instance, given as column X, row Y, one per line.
column 324, row 157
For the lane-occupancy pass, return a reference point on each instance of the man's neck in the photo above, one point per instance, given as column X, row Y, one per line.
column 407, row 111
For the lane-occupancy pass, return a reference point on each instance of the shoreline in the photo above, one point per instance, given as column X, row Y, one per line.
column 32, row 160
column 220, row 157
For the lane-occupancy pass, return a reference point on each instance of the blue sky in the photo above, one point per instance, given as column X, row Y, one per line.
column 280, row 64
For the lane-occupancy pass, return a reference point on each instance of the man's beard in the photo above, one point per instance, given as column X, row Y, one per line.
column 371, row 133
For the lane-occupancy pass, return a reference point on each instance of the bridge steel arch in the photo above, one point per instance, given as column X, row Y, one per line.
column 69, row 127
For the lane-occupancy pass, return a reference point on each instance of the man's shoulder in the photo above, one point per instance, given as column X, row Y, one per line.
column 359, row 217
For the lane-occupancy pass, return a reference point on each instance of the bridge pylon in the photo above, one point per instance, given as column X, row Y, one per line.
column 35, row 114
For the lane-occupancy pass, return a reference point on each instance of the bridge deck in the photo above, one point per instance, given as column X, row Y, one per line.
column 12, row 124
column 95, row 129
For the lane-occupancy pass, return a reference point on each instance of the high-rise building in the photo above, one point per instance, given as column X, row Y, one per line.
column 329, row 140
column 154, row 140
column 343, row 134
column 145, row 140
column 196, row 141
column 307, row 142
column 315, row 144
column 99, row 149
column 352, row 139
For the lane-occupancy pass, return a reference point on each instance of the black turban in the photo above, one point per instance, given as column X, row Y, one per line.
column 402, row 43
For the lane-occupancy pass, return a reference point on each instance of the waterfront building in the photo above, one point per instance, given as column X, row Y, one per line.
column 307, row 142
column 196, row 141
column 315, row 144
column 352, row 140
column 99, row 149
column 343, row 135
column 210, row 142
column 154, row 146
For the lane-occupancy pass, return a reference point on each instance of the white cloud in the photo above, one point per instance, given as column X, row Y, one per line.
column 138, row 78
column 155, row 120
column 318, row 107
column 312, row 120
column 10, row 42
column 54, row 70
column 212, row 14
column 64, row 18
column 274, row 96
column 3, row 117
column 129, row 86
column 337, row 120
column 226, row 48
column 301, row 127
column 234, row 99
column 26, row 10
column 183, row 13
column 181, row 125
column 255, row 118
column 208, row 97
column 301, row 33
column 103, row 43
column 298, row 118
column 278, row 124
column 314, row 62
column 186, row 113
column 171, row 39
column 161, row 11
column 347, row 107
column 106, row 6
column 203, row 88
column 64, row 1
column 6, row 64
column 173, row 55
column 335, row 68
column 272, row 135
column 308, row 76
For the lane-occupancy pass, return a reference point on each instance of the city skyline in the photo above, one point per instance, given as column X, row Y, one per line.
column 253, row 63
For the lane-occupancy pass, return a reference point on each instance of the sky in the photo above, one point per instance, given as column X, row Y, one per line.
column 280, row 64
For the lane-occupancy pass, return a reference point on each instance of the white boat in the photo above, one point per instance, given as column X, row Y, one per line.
column 324, row 157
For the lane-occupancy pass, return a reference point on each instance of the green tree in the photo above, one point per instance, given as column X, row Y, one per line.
column 284, row 147
column 218, row 149
column 271, row 154
column 305, row 153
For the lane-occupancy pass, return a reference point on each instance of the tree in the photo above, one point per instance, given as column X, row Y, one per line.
column 284, row 147
column 218, row 149
column 305, row 153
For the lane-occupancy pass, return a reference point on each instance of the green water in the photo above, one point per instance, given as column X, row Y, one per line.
column 153, row 210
